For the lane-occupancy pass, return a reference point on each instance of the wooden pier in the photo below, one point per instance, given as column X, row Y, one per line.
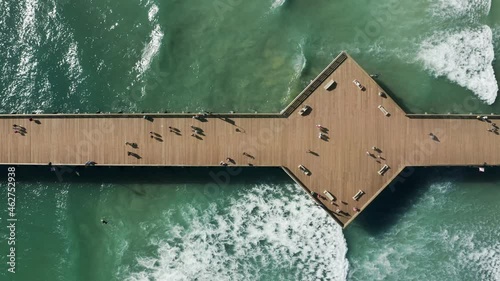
column 339, row 165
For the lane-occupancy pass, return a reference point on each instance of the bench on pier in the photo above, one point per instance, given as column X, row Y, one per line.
column 329, row 196
column 386, row 113
column 304, row 170
column 358, row 84
column 330, row 85
column 305, row 110
column 383, row 170
column 358, row 195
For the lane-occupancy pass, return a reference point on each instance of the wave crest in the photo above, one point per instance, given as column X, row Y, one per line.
column 464, row 57
column 277, row 3
column 266, row 231
column 150, row 50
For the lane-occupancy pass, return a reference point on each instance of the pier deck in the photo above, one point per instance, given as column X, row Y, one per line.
column 338, row 164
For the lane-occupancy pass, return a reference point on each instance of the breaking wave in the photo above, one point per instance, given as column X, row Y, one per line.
column 264, row 232
column 153, row 46
column 277, row 3
column 464, row 57
column 460, row 8
column 150, row 50
column 299, row 63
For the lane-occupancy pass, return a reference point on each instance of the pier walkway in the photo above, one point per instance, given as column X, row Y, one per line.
column 342, row 163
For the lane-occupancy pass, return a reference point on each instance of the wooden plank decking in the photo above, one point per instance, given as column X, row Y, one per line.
column 339, row 165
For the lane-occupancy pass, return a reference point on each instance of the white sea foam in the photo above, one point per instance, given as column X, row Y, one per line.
column 460, row 8
column 153, row 46
column 442, row 187
column 464, row 57
column 5, row 8
column 152, row 12
column 113, row 26
column 299, row 64
column 150, row 50
column 277, row 4
column 28, row 20
column 488, row 260
column 477, row 250
column 264, row 231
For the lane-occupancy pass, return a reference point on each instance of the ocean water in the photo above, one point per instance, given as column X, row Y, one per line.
column 434, row 56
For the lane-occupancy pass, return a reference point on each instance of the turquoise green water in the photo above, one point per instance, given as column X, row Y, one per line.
column 245, row 56
column 171, row 224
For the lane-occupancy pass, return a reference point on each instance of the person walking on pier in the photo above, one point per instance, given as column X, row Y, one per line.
column 18, row 128
column 248, row 155
column 434, row 137
column 132, row 144
column 482, row 118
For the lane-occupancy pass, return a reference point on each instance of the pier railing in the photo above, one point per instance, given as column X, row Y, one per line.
column 138, row 115
column 314, row 84
column 451, row 116
column 284, row 113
